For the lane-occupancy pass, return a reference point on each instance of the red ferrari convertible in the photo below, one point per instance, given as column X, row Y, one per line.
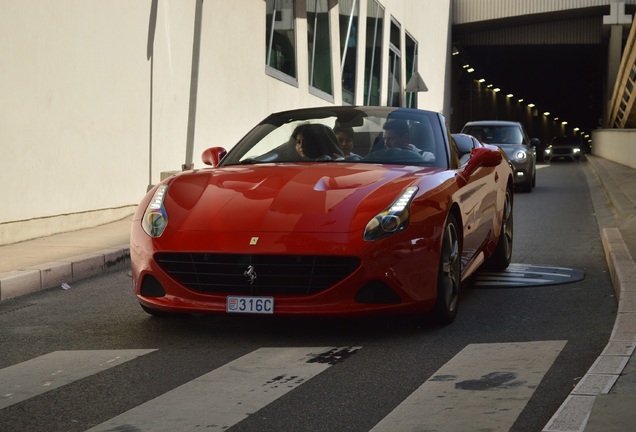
column 347, row 211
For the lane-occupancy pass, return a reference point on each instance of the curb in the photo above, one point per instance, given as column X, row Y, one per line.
column 44, row 276
column 574, row 413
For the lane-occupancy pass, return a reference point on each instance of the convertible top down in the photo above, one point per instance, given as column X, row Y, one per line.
column 347, row 211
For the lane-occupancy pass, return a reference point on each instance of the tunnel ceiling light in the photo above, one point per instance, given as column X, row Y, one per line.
column 509, row 95
column 576, row 129
column 489, row 86
column 496, row 89
column 481, row 80
column 564, row 123
column 556, row 119
column 531, row 105
column 547, row 113
column 466, row 66
column 470, row 70
column 520, row 100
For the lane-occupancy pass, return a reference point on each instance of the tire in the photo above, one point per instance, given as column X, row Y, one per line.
column 500, row 260
column 448, row 275
column 526, row 187
column 534, row 178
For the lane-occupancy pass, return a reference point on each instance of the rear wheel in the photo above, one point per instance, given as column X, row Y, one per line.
column 449, row 274
column 503, row 253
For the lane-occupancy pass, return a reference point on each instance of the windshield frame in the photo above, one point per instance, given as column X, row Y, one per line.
column 367, row 125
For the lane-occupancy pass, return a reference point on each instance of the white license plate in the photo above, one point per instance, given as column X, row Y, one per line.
column 250, row 305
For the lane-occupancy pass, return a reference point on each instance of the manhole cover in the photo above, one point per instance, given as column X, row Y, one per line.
column 525, row 275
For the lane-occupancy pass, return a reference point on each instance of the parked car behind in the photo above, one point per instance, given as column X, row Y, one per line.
column 564, row 147
column 512, row 138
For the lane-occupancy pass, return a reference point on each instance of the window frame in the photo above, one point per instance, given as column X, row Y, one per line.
column 378, row 34
column 354, row 17
column 271, row 70
column 311, row 51
column 410, row 97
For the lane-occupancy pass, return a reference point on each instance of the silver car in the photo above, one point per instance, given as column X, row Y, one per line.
column 512, row 138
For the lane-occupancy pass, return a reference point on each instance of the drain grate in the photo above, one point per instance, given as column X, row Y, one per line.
column 527, row 275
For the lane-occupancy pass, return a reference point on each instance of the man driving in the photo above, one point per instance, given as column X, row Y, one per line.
column 397, row 135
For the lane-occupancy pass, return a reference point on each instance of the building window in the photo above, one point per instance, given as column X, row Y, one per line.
column 373, row 62
column 349, row 48
column 395, row 71
column 319, row 45
column 411, row 65
column 281, row 46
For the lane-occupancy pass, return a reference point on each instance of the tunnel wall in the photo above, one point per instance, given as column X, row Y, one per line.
column 617, row 145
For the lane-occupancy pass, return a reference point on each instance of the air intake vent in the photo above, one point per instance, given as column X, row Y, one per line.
column 256, row 274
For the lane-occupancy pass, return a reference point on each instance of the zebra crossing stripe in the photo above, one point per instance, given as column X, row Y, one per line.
column 42, row 374
column 219, row 399
column 484, row 387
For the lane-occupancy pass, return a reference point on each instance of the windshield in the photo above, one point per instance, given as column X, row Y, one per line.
column 495, row 134
column 343, row 135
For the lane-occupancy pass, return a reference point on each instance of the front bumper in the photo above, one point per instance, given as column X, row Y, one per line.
column 390, row 277
column 522, row 173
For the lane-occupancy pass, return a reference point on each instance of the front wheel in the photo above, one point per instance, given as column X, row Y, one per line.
column 448, row 275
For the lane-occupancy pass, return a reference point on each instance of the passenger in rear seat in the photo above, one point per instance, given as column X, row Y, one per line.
column 345, row 138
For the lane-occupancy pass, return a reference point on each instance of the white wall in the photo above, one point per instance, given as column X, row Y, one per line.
column 74, row 86
column 95, row 96
column 616, row 145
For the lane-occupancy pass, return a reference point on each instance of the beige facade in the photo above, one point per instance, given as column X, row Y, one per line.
column 96, row 95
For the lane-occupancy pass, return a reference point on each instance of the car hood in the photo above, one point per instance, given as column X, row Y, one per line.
column 284, row 198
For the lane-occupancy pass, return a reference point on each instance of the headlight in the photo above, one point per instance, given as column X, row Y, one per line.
column 548, row 151
column 393, row 219
column 520, row 155
column 576, row 150
column 155, row 217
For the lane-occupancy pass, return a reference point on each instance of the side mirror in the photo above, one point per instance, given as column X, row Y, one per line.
column 481, row 157
column 485, row 157
column 535, row 142
column 213, row 156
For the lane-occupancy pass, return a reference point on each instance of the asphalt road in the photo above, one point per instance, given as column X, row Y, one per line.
column 86, row 355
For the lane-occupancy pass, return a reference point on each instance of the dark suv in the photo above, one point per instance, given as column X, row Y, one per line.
column 512, row 138
column 564, row 147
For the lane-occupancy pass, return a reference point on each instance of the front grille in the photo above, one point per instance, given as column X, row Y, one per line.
column 275, row 274
column 562, row 151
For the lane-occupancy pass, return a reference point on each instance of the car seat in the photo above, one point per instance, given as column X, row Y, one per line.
column 421, row 136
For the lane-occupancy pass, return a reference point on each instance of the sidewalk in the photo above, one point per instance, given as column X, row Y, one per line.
column 603, row 401
column 47, row 262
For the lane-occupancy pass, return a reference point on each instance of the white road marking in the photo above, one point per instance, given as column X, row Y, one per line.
column 219, row 399
column 42, row 374
column 483, row 388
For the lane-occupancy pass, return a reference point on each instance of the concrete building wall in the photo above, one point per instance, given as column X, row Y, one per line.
column 96, row 95
column 471, row 11
column 616, row 145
